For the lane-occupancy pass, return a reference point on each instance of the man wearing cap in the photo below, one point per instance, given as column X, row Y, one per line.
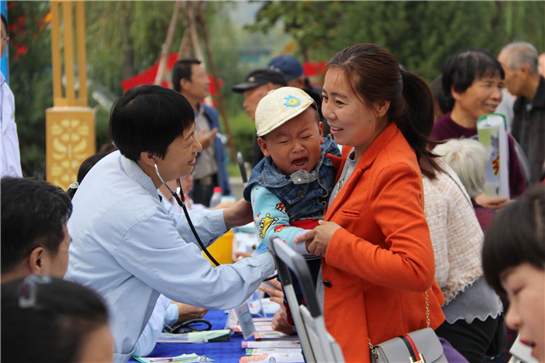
column 256, row 85
column 295, row 77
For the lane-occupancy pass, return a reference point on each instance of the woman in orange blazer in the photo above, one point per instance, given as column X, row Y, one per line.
column 377, row 256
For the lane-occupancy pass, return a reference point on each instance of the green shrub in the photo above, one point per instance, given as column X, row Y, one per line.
column 243, row 130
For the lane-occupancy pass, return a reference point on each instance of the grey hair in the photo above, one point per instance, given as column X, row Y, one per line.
column 467, row 158
column 522, row 54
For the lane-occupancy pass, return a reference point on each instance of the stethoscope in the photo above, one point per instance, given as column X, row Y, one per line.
column 180, row 199
column 181, row 203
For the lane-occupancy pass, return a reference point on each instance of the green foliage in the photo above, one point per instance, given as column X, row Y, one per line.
column 421, row 34
column 312, row 24
column 124, row 38
column 243, row 129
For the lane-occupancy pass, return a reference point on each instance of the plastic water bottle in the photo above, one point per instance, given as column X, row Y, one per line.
column 216, row 197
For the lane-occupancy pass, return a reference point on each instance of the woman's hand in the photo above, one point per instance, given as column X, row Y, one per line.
column 274, row 291
column 318, row 239
column 280, row 321
column 494, row 203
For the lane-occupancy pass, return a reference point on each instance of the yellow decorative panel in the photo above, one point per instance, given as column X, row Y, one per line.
column 70, row 139
column 64, row 46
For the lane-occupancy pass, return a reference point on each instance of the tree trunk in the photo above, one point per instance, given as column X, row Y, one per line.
column 127, row 61
column 223, row 109
column 167, row 44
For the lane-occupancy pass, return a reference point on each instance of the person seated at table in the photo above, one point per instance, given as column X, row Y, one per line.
column 186, row 185
column 49, row 320
column 35, row 238
column 290, row 186
column 514, row 265
column 83, row 169
column 127, row 246
column 166, row 311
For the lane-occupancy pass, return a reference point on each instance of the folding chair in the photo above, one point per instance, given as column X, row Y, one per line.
column 318, row 345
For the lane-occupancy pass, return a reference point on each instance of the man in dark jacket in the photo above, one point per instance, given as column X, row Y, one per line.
column 522, row 79
column 256, row 86
column 190, row 79
column 295, row 77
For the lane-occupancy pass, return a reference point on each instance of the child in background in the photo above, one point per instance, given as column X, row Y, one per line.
column 290, row 187
column 514, row 265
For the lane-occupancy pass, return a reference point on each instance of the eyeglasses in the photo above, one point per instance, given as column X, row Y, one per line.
column 28, row 293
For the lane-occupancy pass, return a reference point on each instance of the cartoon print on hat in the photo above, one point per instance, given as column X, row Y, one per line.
column 280, row 106
column 292, row 101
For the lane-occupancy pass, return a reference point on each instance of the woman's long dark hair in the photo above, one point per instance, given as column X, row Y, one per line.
column 374, row 74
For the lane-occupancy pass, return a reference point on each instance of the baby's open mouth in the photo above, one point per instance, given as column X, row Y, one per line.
column 299, row 163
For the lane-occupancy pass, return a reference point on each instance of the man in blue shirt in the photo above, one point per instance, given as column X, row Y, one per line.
column 127, row 246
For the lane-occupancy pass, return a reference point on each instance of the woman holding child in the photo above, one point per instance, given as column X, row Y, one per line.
column 377, row 256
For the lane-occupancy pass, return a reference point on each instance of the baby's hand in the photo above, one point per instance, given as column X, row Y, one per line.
column 298, row 245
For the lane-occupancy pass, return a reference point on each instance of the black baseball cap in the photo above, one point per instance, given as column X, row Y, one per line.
column 259, row 77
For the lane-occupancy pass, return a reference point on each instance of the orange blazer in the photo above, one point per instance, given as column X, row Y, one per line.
column 378, row 267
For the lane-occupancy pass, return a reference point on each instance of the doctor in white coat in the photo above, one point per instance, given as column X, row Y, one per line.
column 127, row 246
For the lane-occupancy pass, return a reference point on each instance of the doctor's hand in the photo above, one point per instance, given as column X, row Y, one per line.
column 318, row 239
column 206, row 138
column 238, row 214
column 188, row 312
column 274, row 289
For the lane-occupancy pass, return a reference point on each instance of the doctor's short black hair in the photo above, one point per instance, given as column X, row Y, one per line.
column 149, row 118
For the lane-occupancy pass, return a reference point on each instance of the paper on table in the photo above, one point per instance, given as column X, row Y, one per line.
column 269, row 335
column 245, row 320
column 272, row 344
column 196, row 337
column 255, row 305
column 184, row 358
column 254, row 351
column 290, row 357
column 260, row 327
